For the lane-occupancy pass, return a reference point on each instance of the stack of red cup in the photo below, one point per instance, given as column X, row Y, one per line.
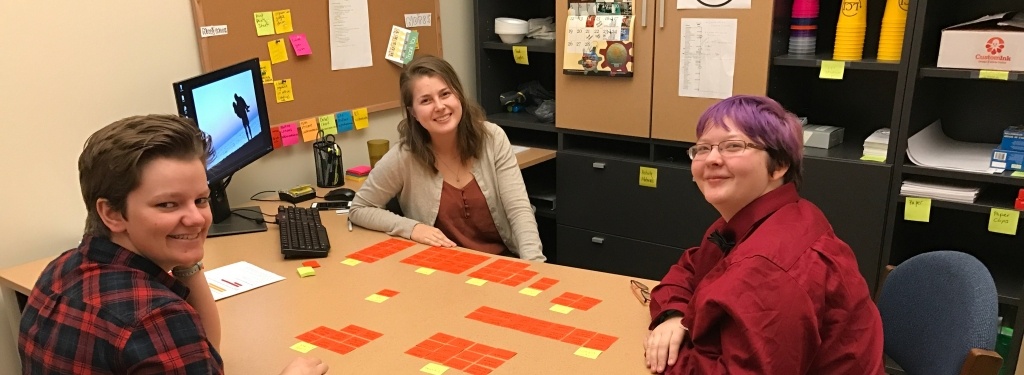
column 803, row 28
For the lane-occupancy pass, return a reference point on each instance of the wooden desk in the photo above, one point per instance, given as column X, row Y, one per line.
column 259, row 326
column 533, row 156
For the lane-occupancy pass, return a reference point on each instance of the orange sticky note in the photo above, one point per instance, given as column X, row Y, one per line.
column 309, row 128
column 275, row 136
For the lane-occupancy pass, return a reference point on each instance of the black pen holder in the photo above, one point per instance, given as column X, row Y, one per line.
column 327, row 159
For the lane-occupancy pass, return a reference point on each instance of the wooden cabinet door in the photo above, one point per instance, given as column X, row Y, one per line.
column 613, row 105
column 674, row 117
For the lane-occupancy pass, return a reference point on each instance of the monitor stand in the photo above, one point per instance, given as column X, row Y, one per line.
column 234, row 224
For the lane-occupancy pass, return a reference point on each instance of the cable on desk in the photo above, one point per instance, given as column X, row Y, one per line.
column 257, row 220
column 253, row 198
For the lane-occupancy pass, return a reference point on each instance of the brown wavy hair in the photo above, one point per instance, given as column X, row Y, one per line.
column 113, row 158
column 470, row 134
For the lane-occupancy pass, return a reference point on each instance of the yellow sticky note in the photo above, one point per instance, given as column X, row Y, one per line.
column 309, row 129
column 425, row 270
column 831, row 69
column 306, row 271
column 1003, row 221
column 1017, row 174
column 530, row 292
column 264, row 23
column 476, row 281
column 994, row 74
column 649, row 177
column 880, row 159
column 561, row 309
column 266, row 71
column 283, row 21
column 283, row 90
column 434, row 369
column 278, row 51
column 917, row 209
column 361, row 117
column 303, row 347
column 520, row 55
column 588, row 353
column 328, row 124
column 376, row 298
column 350, row 262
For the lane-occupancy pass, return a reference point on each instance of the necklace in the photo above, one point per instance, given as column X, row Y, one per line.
column 458, row 173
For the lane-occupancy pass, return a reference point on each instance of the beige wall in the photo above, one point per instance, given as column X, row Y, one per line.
column 73, row 67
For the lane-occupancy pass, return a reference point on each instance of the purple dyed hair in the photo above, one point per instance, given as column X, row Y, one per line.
column 765, row 122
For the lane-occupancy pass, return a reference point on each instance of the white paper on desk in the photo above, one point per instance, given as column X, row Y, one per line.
column 350, row 34
column 712, row 4
column 518, row 149
column 707, row 57
column 931, row 147
column 237, row 278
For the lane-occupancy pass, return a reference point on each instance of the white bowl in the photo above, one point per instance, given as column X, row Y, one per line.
column 511, row 38
column 505, row 25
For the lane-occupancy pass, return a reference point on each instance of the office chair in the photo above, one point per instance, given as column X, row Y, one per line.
column 939, row 314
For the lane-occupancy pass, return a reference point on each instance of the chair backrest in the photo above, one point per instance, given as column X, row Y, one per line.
column 935, row 308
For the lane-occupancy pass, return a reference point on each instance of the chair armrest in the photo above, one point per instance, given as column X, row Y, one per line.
column 885, row 275
column 981, row 362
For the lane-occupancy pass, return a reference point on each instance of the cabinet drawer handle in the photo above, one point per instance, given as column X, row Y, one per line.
column 643, row 14
column 597, row 240
column 661, row 14
column 598, row 165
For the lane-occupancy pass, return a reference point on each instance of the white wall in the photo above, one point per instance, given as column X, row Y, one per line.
column 73, row 67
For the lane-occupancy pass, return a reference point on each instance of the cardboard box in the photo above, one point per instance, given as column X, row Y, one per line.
column 1007, row 159
column 994, row 42
column 1013, row 139
column 822, row 136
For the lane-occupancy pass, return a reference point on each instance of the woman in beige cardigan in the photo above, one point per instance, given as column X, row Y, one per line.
column 454, row 174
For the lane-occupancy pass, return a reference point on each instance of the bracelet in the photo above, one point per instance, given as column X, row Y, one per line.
column 183, row 272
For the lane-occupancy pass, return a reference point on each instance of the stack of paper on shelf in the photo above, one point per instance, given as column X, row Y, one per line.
column 953, row 192
column 876, row 146
column 932, row 148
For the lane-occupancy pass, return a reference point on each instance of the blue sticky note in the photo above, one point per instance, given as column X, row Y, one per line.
column 345, row 121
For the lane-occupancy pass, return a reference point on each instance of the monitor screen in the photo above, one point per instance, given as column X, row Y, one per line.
column 229, row 105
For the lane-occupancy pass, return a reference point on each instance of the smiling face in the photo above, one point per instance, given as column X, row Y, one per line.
column 435, row 106
column 730, row 182
column 167, row 216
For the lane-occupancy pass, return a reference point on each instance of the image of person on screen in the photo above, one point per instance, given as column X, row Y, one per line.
column 771, row 289
column 132, row 297
column 242, row 111
column 454, row 174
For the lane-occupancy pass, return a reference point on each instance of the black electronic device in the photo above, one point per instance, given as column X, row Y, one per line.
column 335, row 205
column 340, row 194
column 229, row 105
column 302, row 233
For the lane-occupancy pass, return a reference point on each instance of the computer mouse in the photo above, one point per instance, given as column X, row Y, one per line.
column 340, row 194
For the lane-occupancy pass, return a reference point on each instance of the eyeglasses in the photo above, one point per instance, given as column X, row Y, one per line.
column 733, row 147
column 640, row 291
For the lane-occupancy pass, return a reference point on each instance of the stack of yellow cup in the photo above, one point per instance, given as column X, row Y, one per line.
column 853, row 21
column 890, row 43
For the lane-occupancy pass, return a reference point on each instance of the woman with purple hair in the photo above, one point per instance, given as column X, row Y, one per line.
column 771, row 289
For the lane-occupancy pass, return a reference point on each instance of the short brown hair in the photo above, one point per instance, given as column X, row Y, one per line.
column 471, row 132
column 113, row 158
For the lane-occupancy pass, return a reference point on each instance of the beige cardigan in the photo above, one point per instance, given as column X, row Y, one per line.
column 419, row 193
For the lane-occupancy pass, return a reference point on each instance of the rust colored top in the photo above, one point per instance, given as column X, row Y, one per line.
column 464, row 217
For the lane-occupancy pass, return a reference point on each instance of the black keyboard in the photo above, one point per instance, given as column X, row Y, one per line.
column 302, row 233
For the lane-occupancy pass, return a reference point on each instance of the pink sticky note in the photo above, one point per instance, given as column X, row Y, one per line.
column 289, row 134
column 300, row 44
column 275, row 137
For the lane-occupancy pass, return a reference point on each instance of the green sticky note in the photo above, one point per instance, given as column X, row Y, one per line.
column 530, row 292
column 328, row 124
column 434, row 369
column 477, row 282
column 587, row 353
column 561, row 309
column 918, row 209
column 306, row 271
column 264, row 23
column 1003, row 221
column 880, row 159
column 376, row 298
column 649, row 177
column 303, row 347
column 831, row 69
column 425, row 270
column 994, row 74
column 1017, row 174
column 350, row 262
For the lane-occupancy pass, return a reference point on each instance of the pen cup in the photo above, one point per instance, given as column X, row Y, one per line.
column 377, row 149
column 328, row 162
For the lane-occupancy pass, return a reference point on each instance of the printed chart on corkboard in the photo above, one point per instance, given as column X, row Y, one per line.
column 332, row 54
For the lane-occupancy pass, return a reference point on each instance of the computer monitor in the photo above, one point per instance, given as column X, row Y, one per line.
column 229, row 105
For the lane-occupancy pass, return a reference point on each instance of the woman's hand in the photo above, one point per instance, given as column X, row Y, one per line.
column 662, row 346
column 305, row 366
column 429, row 235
